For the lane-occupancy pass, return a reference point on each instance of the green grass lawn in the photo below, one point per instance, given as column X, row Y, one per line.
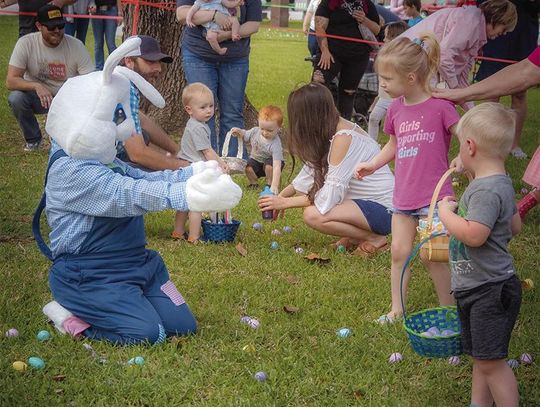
column 305, row 361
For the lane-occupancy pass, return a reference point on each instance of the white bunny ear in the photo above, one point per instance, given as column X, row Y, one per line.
column 144, row 87
column 127, row 47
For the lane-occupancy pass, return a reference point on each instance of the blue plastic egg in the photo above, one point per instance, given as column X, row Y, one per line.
column 257, row 226
column 43, row 336
column 274, row 245
column 287, row 229
column 36, row 362
column 343, row 332
column 137, row 360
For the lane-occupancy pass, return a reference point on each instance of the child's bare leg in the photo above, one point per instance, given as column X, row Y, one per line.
column 211, row 37
column 440, row 275
column 179, row 223
column 403, row 234
column 501, row 383
column 251, row 176
column 195, row 219
column 235, row 29
column 268, row 172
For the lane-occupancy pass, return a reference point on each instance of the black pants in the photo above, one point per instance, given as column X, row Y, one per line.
column 350, row 70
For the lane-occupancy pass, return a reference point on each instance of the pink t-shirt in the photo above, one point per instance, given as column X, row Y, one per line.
column 535, row 57
column 423, row 140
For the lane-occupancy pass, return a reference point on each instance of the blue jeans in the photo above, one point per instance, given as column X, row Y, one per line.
column 78, row 28
column 312, row 44
column 104, row 30
column 227, row 80
column 25, row 106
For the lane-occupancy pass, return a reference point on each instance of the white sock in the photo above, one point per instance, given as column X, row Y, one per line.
column 57, row 314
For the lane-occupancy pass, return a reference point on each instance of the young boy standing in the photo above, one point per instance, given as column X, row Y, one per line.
column 198, row 102
column 266, row 156
column 486, row 288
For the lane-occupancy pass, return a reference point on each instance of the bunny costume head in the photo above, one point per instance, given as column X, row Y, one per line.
column 81, row 116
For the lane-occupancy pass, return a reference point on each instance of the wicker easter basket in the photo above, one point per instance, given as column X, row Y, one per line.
column 237, row 165
column 436, row 248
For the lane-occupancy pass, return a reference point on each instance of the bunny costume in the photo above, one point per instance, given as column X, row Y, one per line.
column 103, row 278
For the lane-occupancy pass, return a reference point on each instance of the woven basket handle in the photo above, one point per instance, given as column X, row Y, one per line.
column 436, row 195
column 225, row 150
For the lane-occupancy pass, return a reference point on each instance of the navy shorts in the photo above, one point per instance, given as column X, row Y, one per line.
column 488, row 314
column 377, row 216
column 258, row 167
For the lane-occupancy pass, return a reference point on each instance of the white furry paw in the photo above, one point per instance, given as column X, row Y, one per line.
column 57, row 314
column 212, row 191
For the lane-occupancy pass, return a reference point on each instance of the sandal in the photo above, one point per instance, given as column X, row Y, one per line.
column 179, row 236
column 386, row 319
column 192, row 241
column 366, row 249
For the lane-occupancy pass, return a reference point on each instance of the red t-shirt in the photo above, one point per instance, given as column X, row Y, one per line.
column 535, row 57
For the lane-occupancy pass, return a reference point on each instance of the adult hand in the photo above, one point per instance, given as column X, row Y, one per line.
column 457, row 164
column 223, row 21
column 44, row 94
column 305, row 30
column 458, row 96
column 447, row 203
column 359, row 16
column 364, row 169
column 326, row 60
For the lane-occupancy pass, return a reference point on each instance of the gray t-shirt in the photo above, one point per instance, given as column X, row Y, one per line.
column 196, row 138
column 489, row 201
column 262, row 149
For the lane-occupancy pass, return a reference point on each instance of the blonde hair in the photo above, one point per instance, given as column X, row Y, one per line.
column 271, row 113
column 404, row 56
column 491, row 126
column 193, row 91
column 500, row 12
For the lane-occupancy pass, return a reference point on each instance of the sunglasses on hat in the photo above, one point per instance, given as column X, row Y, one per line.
column 54, row 27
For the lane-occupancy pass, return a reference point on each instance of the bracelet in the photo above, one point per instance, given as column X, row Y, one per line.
column 214, row 16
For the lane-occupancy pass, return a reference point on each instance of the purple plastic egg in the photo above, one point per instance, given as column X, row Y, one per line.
column 434, row 331
column 395, row 357
column 426, row 334
column 524, row 191
column 526, row 359
column 287, row 229
column 276, row 232
column 12, row 333
column 454, row 360
column 254, row 323
column 513, row 363
column 447, row 332
column 257, row 226
column 260, row 376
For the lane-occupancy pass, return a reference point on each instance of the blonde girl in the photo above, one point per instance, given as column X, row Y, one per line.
column 420, row 128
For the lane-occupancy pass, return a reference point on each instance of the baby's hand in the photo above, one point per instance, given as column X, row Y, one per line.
column 448, row 203
column 235, row 132
column 189, row 22
column 457, row 164
column 364, row 169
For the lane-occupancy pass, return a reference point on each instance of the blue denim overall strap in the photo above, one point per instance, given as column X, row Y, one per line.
column 36, row 231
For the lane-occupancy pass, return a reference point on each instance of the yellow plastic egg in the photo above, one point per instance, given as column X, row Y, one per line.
column 19, row 366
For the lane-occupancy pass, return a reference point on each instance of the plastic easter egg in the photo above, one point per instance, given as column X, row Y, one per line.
column 260, row 376
column 20, row 366
column 513, row 363
column 528, row 284
column 526, row 359
column 343, row 332
column 137, row 360
column 447, row 332
column 395, row 357
column 257, row 226
column 249, row 348
column 43, row 336
column 434, row 331
column 12, row 333
column 276, row 232
column 341, row 249
column 426, row 334
column 36, row 363
column 287, row 229
column 253, row 323
column 274, row 245
column 299, row 250
column 524, row 191
column 455, row 184
column 454, row 360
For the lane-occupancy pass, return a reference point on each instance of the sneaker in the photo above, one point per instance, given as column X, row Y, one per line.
column 57, row 314
column 518, row 153
column 32, row 146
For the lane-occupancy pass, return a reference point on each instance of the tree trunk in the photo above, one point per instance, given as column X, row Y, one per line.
column 162, row 25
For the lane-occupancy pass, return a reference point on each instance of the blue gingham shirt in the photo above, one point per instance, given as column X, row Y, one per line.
column 80, row 190
column 134, row 100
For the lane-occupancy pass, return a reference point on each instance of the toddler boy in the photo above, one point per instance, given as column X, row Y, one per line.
column 486, row 288
column 198, row 102
column 266, row 156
